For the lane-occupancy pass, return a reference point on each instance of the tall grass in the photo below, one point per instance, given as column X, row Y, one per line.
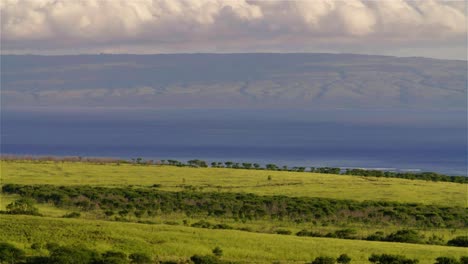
column 176, row 242
column 237, row 180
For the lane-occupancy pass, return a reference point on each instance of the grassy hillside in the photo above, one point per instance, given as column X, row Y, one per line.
column 189, row 195
column 178, row 242
column 237, row 180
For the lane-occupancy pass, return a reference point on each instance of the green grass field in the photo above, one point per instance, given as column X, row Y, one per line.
column 179, row 242
column 238, row 180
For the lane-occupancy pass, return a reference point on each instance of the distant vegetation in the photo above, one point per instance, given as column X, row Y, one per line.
column 427, row 176
column 124, row 204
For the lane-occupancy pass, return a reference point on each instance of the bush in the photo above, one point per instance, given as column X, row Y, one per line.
column 207, row 259
column 51, row 246
column 222, row 226
column 202, row 224
column 73, row 255
column 37, row 260
column 391, row 259
column 140, row 258
column 217, row 251
column 377, row 236
column 405, row 236
column 461, row 241
column 304, row 232
column 36, row 246
column 283, row 232
column 464, row 260
column 113, row 257
column 343, row 233
column 343, row 259
column 323, row 260
column 446, row 260
column 10, row 254
column 22, row 206
column 72, row 215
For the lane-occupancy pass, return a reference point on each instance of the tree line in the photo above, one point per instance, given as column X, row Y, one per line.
column 127, row 202
column 197, row 163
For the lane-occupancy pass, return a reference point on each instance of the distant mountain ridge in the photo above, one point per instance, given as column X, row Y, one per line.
column 257, row 80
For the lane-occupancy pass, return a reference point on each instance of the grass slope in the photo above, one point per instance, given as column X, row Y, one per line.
column 238, row 180
column 176, row 242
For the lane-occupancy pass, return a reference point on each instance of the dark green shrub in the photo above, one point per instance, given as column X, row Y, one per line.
column 36, row 246
column 460, row 241
column 217, row 251
column 202, row 224
column 405, row 236
column 22, row 206
column 10, row 254
column 222, row 226
column 391, row 259
column 73, row 255
column 343, row 259
column 323, row 260
column 377, row 236
column 345, row 233
column 304, row 232
column 72, row 215
column 446, row 260
column 37, row 260
column 140, row 258
column 51, row 246
column 114, row 257
column 464, row 260
column 207, row 259
column 283, row 232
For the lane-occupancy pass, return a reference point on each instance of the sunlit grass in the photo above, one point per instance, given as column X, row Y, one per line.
column 176, row 242
column 238, row 180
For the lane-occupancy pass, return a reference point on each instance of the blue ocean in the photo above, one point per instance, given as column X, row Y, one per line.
column 393, row 140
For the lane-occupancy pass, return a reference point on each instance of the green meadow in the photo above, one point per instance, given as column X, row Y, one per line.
column 170, row 236
column 178, row 242
column 300, row 184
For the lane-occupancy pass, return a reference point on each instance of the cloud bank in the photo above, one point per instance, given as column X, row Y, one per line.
column 140, row 26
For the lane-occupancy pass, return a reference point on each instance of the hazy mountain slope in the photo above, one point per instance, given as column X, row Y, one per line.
column 233, row 81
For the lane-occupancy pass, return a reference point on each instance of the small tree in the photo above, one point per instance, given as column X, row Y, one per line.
column 343, row 259
column 75, row 255
column 405, row 236
column 114, row 257
column 464, row 260
column 460, row 241
column 207, row 259
column 22, row 206
column 217, row 251
column 391, row 259
column 446, row 260
column 247, row 165
column 323, row 260
column 10, row 254
column 140, row 258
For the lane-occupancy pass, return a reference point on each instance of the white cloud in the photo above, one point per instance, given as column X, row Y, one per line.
column 228, row 25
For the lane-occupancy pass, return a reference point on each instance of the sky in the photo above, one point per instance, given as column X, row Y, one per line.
column 426, row 28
